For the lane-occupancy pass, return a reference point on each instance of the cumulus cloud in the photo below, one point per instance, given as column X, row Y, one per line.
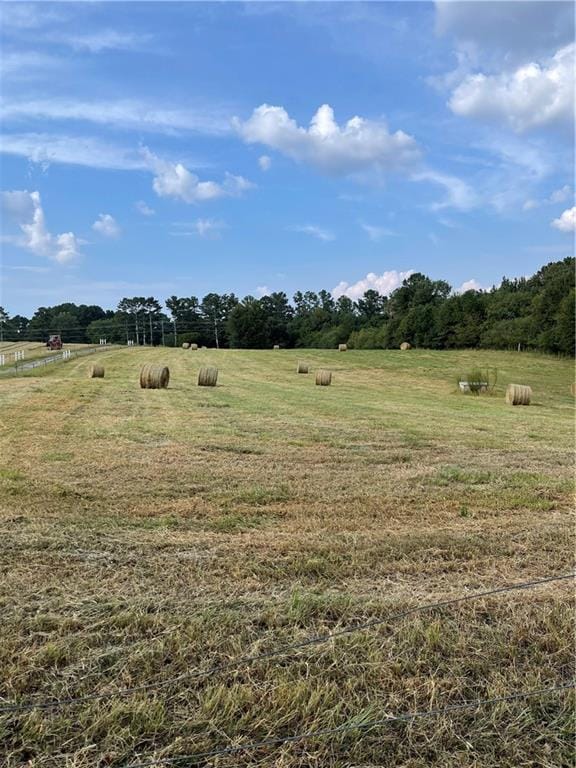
column 311, row 229
column 175, row 180
column 567, row 221
column 359, row 145
column 67, row 248
column 26, row 209
column 265, row 162
column 532, row 96
column 263, row 290
column 384, row 284
column 106, row 225
column 144, row 208
column 469, row 285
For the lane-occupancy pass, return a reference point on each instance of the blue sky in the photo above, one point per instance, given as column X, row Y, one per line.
column 161, row 148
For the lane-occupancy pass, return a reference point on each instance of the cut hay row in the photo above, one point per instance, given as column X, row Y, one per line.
column 154, row 376
column 158, row 377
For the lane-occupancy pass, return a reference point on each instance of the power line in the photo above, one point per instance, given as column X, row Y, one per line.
column 275, row 741
column 281, row 651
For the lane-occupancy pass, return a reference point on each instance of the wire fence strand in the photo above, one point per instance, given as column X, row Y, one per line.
column 276, row 741
column 274, row 653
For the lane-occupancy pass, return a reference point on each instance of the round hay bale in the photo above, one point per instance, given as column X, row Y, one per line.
column 194, row 347
column 154, row 376
column 323, row 378
column 405, row 345
column 342, row 347
column 96, row 372
column 518, row 394
column 276, row 346
column 302, row 367
column 207, row 377
column 573, row 388
column 203, row 347
column 185, row 345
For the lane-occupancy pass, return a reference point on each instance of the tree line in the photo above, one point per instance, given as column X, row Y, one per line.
column 533, row 313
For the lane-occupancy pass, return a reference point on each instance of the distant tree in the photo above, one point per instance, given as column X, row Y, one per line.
column 4, row 318
column 372, row 307
column 215, row 309
column 247, row 325
column 535, row 313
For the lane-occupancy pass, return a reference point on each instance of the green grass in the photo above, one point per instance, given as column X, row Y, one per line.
column 150, row 533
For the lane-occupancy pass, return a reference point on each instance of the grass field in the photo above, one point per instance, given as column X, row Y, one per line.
column 148, row 534
column 33, row 350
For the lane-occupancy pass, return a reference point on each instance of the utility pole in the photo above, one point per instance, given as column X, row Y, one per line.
column 151, row 335
column 216, row 333
column 162, row 326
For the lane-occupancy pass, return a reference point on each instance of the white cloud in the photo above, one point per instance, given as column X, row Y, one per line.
column 210, row 229
column 67, row 248
column 448, row 223
column 26, row 208
column 560, row 195
column 102, row 40
column 458, row 194
column 175, row 180
column 513, row 30
column 384, row 284
column 311, row 229
column 25, row 16
column 469, row 285
column 360, row 145
column 557, row 196
column 376, row 233
column 263, row 290
column 72, row 150
column 567, row 221
column 532, row 96
column 125, row 114
column 28, row 65
column 106, row 225
column 144, row 208
column 265, row 162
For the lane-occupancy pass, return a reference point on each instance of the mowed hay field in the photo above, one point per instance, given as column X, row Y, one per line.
column 149, row 535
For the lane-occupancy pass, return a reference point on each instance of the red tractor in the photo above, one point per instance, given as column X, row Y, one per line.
column 54, row 342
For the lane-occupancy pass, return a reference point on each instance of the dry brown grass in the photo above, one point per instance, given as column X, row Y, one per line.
column 138, row 544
